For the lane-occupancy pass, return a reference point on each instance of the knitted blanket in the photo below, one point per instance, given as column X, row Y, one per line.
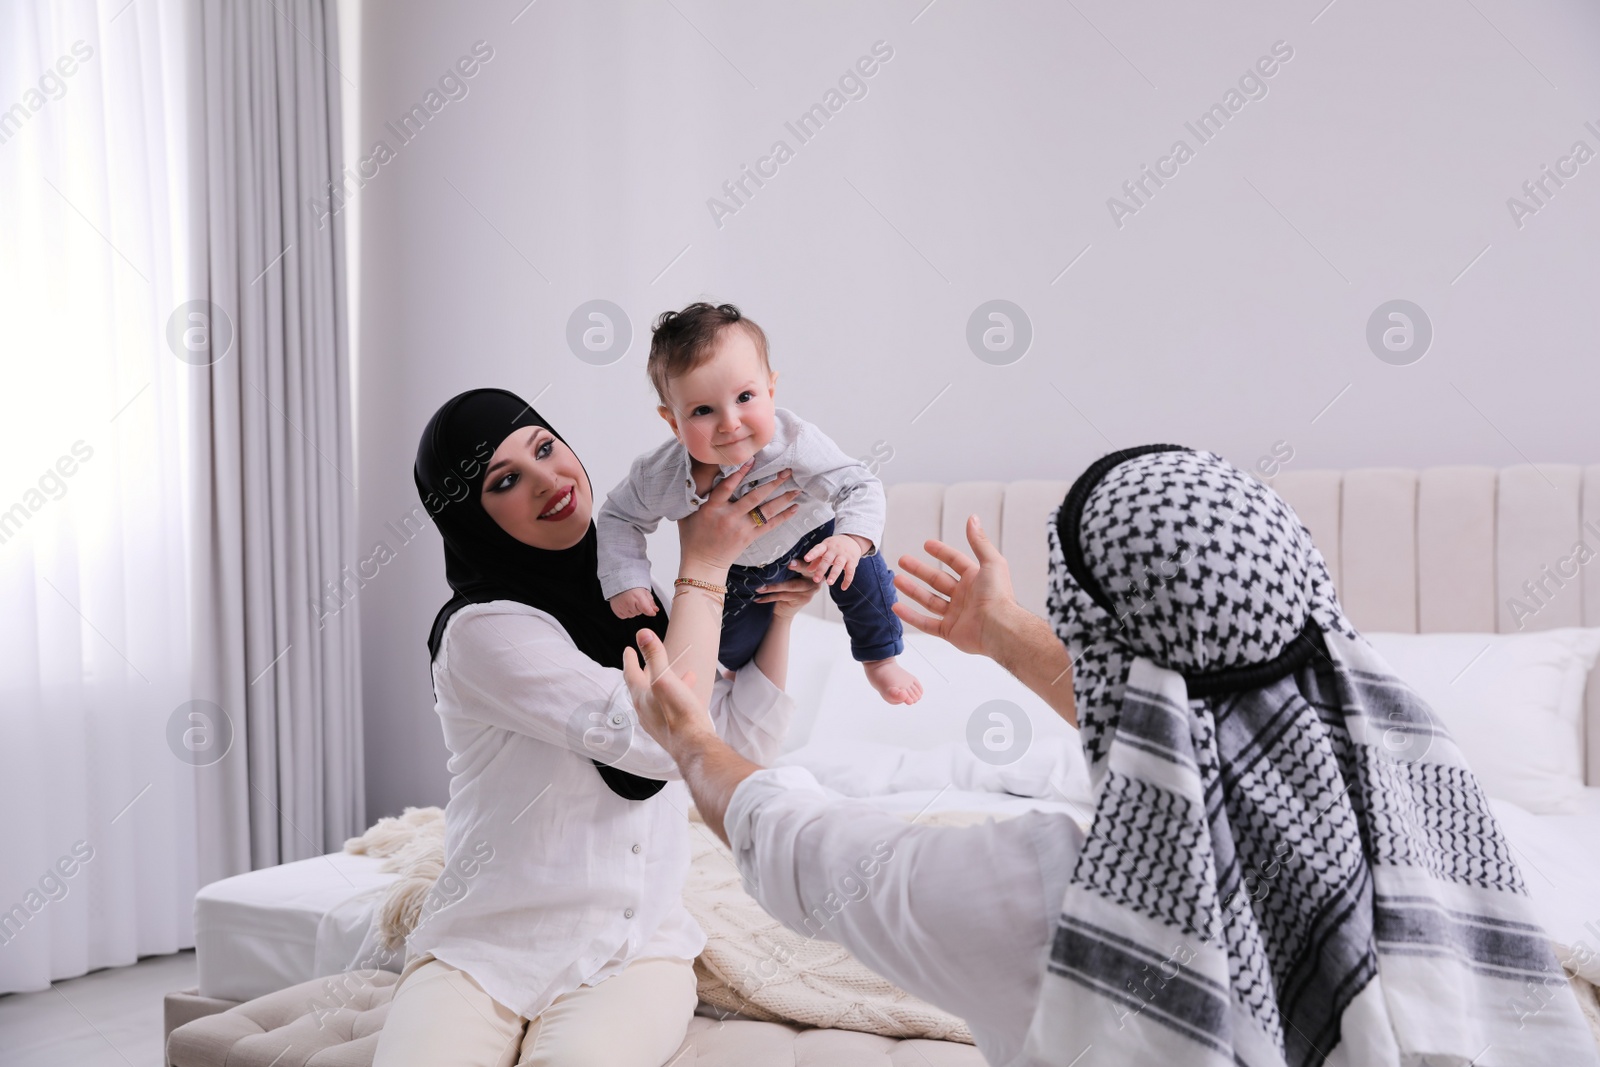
column 757, row 968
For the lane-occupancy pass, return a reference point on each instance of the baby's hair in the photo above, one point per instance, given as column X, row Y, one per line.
column 680, row 341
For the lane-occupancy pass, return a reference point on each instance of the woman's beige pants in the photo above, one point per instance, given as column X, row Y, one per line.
column 441, row 1018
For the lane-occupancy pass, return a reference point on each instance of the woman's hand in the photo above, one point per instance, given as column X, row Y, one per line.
column 788, row 598
column 721, row 528
column 668, row 709
column 971, row 609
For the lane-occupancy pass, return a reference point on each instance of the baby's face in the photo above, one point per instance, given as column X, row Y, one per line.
column 722, row 410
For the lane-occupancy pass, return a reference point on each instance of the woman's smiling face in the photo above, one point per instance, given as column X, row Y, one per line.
column 536, row 490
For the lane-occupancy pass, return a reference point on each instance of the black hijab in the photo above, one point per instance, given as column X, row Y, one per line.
column 482, row 562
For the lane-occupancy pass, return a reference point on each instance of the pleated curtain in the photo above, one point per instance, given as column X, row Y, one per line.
column 274, row 494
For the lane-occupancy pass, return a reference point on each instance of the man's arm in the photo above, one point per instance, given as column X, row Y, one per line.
column 959, row 916
column 670, row 712
column 1025, row 645
column 712, row 771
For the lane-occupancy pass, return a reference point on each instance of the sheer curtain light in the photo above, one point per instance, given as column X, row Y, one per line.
column 175, row 437
column 97, row 772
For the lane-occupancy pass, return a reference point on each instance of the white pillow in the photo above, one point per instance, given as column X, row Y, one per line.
column 1513, row 702
column 955, row 686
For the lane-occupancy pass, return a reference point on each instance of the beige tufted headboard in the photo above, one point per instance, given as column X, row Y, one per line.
column 1445, row 549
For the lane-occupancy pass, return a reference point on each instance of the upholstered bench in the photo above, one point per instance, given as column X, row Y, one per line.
column 334, row 1022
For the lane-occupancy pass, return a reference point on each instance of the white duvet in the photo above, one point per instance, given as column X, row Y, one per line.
column 1560, row 860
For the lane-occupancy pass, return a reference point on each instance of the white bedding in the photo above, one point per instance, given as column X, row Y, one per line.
column 927, row 803
column 840, row 721
column 265, row 930
column 1560, row 860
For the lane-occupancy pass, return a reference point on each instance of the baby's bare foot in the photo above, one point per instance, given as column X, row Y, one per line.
column 894, row 683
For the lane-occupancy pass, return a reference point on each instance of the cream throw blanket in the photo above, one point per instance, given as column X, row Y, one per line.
column 752, row 965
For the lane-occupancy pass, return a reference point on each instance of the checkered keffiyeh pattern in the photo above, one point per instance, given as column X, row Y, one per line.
column 1289, row 861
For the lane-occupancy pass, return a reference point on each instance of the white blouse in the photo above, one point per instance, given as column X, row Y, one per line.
column 551, row 880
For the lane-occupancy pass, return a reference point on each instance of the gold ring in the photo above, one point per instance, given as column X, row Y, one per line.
column 755, row 513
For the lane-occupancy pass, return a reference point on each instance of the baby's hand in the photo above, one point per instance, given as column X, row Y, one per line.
column 832, row 557
column 631, row 602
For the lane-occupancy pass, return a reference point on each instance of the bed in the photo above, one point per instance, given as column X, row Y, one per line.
column 272, row 928
column 1423, row 558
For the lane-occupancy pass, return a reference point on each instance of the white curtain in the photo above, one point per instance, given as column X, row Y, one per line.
column 97, row 838
column 275, row 556
column 174, row 448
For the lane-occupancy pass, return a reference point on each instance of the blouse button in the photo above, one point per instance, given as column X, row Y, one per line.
column 617, row 719
column 637, row 850
column 628, row 914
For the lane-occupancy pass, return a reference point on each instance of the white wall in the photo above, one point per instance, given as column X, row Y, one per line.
column 1227, row 313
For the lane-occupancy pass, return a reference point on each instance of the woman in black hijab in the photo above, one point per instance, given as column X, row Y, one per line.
column 566, row 832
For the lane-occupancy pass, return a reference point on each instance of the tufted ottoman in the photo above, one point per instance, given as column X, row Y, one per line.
column 334, row 1022
column 329, row 1022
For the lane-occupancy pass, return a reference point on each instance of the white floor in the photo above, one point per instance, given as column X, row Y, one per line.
column 107, row 1018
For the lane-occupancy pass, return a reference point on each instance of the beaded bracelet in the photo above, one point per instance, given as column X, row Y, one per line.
column 719, row 592
column 698, row 584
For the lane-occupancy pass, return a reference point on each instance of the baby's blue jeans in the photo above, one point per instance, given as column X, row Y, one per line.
column 875, row 631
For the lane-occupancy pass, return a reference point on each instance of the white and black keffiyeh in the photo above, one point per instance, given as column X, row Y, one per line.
column 1289, row 861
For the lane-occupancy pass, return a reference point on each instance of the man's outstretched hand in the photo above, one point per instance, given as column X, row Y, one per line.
column 976, row 611
column 969, row 609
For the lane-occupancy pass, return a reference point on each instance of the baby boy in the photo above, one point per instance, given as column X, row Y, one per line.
column 710, row 371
